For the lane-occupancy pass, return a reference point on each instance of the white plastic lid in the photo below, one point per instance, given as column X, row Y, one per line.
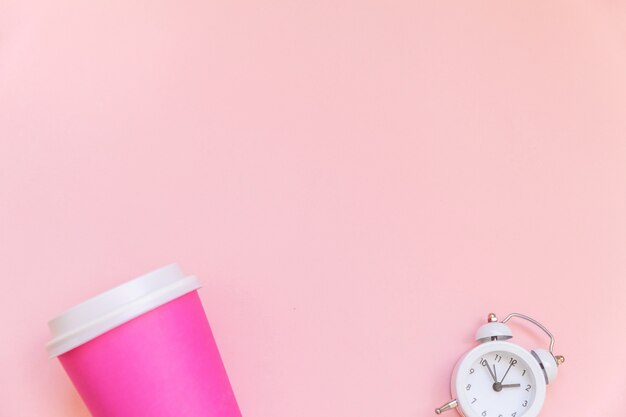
column 112, row 308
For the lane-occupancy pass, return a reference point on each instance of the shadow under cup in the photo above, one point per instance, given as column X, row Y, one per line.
column 145, row 349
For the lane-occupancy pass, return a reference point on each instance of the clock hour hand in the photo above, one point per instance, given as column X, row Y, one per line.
column 498, row 386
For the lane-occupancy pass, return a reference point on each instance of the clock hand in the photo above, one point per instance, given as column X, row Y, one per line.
column 495, row 376
column 507, row 371
column 510, row 385
column 486, row 364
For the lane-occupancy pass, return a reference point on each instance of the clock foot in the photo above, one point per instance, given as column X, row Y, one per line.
column 447, row 406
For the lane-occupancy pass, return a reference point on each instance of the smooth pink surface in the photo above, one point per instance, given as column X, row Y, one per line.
column 164, row 363
column 358, row 183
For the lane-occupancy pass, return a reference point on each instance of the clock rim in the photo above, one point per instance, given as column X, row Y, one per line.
column 465, row 362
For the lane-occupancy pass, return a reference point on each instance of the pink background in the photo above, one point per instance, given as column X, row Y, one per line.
column 357, row 184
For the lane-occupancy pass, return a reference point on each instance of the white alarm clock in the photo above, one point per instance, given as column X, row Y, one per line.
column 499, row 378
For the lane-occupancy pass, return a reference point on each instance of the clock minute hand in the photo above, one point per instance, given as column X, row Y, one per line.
column 507, row 371
column 510, row 385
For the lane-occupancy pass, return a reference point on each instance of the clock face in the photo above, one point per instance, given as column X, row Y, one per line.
column 498, row 384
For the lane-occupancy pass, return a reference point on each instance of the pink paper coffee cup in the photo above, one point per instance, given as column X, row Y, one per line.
column 144, row 349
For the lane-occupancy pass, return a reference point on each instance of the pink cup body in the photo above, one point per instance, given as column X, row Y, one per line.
column 164, row 363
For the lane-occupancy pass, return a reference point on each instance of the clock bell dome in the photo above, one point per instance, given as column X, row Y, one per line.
column 493, row 331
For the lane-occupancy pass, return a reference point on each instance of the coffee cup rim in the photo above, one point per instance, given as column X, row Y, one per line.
column 109, row 309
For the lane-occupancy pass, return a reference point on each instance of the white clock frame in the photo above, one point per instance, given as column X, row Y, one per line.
column 466, row 362
column 542, row 363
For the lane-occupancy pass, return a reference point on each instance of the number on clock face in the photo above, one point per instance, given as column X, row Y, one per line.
column 499, row 384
